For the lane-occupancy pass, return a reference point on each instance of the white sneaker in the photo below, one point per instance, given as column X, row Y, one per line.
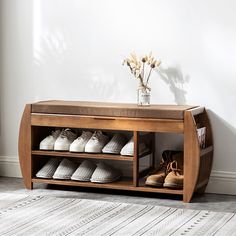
column 64, row 140
column 49, row 141
column 79, row 144
column 115, row 144
column 128, row 149
column 96, row 142
column 65, row 169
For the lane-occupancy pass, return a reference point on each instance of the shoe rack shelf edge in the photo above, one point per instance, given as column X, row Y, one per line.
column 197, row 162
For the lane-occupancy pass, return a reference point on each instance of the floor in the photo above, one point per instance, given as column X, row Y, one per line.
column 214, row 202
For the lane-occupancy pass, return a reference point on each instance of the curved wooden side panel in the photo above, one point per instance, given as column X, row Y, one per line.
column 206, row 155
column 24, row 147
column 191, row 156
column 197, row 162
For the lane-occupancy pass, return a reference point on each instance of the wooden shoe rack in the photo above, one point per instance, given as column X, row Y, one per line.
column 40, row 118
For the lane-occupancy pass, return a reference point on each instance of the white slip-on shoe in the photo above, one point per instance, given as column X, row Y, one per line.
column 84, row 171
column 128, row 149
column 65, row 169
column 49, row 168
column 115, row 145
column 78, row 144
column 64, row 140
column 104, row 173
column 96, row 142
column 48, row 142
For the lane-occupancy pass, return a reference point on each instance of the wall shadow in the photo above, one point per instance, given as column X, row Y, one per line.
column 175, row 79
column 224, row 138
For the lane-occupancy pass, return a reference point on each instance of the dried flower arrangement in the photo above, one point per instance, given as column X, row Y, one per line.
column 139, row 69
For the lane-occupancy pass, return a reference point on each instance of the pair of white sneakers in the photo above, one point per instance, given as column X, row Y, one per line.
column 58, row 140
column 98, row 142
column 66, row 140
column 89, row 142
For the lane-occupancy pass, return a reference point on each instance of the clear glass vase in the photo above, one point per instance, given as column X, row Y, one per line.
column 143, row 96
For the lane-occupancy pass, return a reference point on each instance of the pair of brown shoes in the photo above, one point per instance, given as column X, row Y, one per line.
column 170, row 172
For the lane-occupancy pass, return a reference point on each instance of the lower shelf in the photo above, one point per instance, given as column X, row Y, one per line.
column 124, row 184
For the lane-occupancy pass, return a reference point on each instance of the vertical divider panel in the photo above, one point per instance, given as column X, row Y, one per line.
column 153, row 147
column 136, row 159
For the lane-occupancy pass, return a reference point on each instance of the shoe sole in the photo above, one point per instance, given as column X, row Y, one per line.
column 131, row 153
column 46, row 147
column 90, row 151
column 76, row 150
column 126, row 154
column 62, row 177
column 104, row 181
column 171, row 185
column 80, row 180
column 43, row 177
column 61, row 148
column 154, row 184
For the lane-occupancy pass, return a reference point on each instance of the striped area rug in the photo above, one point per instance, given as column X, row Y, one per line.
column 40, row 215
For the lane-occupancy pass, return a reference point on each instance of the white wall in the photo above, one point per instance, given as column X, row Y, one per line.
column 60, row 49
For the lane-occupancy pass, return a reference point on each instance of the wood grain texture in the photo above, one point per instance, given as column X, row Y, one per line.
column 110, row 109
column 191, row 156
column 197, row 162
column 24, row 147
column 206, row 155
column 124, row 184
column 107, row 123
column 83, row 155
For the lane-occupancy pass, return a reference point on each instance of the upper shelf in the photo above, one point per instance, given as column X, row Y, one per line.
column 83, row 155
column 87, row 155
column 111, row 109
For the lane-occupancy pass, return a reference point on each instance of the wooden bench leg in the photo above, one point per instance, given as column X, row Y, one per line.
column 24, row 147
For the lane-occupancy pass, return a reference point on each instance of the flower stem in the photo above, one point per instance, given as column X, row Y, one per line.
column 143, row 70
column 149, row 76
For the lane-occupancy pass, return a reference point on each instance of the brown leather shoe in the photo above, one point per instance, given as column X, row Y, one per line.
column 175, row 177
column 157, row 178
